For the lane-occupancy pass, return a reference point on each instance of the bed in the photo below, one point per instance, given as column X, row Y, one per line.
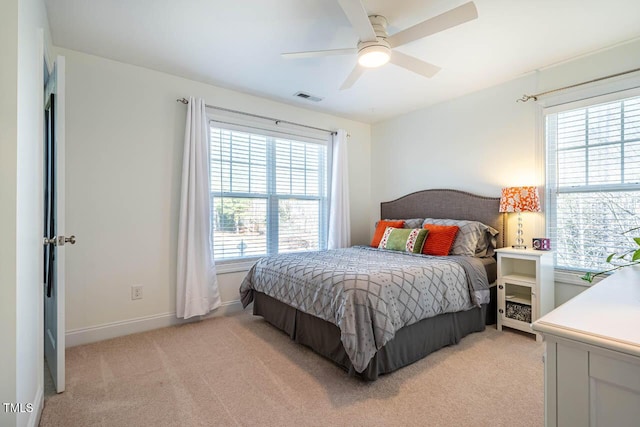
column 373, row 311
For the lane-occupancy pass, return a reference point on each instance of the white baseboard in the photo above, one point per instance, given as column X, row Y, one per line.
column 107, row 331
column 38, row 405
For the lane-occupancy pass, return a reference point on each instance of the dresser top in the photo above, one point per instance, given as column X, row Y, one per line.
column 607, row 314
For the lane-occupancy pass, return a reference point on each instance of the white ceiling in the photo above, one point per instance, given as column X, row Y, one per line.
column 237, row 44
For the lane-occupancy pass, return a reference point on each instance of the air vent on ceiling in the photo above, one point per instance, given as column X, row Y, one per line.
column 307, row 96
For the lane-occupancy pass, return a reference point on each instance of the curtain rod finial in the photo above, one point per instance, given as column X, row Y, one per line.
column 182, row 100
column 525, row 98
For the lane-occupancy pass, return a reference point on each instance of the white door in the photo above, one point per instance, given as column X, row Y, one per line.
column 54, row 230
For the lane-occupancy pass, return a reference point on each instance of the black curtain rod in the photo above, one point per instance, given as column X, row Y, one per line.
column 525, row 98
column 277, row 121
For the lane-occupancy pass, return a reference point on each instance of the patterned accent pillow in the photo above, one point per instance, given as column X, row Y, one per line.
column 404, row 239
column 440, row 239
column 381, row 226
column 473, row 239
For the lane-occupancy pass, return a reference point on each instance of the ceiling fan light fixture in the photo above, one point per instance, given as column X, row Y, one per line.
column 374, row 56
column 375, row 44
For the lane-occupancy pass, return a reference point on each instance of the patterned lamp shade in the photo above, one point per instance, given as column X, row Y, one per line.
column 520, row 199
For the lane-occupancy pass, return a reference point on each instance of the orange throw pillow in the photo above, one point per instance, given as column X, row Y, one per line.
column 440, row 239
column 382, row 225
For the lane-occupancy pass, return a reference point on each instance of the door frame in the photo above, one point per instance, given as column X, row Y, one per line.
column 58, row 70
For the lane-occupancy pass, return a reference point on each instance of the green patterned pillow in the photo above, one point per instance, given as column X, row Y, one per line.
column 404, row 239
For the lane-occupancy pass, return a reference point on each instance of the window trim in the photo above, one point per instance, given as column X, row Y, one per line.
column 250, row 125
column 587, row 95
column 231, row 122
column 572, row 277
column 619, row 89
column 237, row 265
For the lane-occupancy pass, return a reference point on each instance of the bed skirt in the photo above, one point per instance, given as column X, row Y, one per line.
column 409, row 345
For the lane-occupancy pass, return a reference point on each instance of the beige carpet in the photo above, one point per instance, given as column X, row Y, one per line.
column 239, row 370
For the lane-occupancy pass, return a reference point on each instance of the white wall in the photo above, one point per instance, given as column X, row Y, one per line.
column 477, row 143
column 23, row 25
column 8, row 197
column 463, row 144
column 481, row 142
column 124, row 142
column 33, row 35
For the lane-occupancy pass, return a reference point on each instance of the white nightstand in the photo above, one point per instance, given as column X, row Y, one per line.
column 525, row 287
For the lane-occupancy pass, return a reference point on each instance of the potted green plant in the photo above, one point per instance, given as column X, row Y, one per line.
column 618, row 261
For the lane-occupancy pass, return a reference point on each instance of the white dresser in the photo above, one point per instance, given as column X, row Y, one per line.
column 592, row 360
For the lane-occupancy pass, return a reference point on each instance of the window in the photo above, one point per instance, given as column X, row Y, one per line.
column 593, row 180
column 269, row 194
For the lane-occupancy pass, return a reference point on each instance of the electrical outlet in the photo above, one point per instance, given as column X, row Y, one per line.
column 136, row 292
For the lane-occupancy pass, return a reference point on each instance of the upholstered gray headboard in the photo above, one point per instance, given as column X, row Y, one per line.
column 451, row 204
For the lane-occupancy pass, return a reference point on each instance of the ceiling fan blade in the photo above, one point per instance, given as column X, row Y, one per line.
column 316, row 53
column 413, row 64
column 459, row 15
column 355, row 75
column 359, row 19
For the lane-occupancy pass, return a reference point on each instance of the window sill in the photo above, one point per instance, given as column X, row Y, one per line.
column 573, row 278
column 240, row 266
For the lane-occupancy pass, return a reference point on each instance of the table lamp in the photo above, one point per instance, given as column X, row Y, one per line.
column 520, row 199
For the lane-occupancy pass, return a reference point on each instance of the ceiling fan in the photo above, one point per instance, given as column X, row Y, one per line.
column 375, row 46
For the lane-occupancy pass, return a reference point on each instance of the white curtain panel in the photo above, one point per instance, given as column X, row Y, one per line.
column 339, row 215
column 197, row 287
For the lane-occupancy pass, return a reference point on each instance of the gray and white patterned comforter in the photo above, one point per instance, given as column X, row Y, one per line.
column 368, row 293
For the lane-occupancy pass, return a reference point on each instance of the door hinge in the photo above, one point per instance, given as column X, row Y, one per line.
column 59, row 240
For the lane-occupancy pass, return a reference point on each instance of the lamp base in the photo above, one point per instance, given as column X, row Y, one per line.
column 519, row 240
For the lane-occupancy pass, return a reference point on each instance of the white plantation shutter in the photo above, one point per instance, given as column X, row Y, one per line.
column 593, row 181
column 270, row 194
